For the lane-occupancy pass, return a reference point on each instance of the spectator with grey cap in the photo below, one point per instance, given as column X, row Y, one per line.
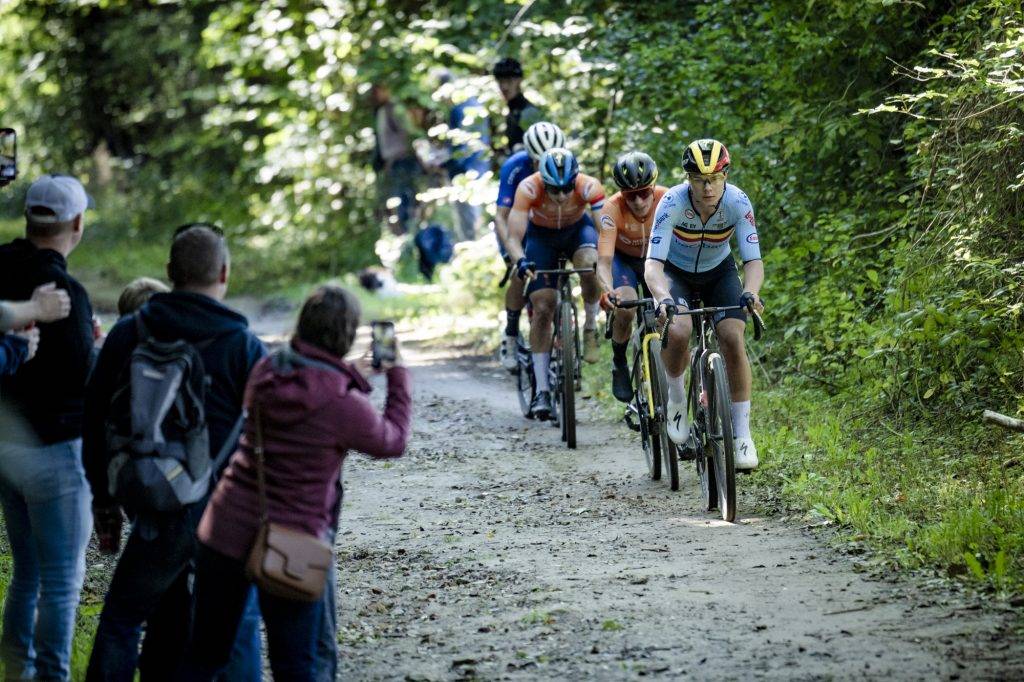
column 43, row 490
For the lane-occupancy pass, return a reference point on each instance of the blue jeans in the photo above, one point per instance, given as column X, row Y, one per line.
column 151, row 585
column 399, row 181
column 47, row 507
column 293, row 627
column 327, row 638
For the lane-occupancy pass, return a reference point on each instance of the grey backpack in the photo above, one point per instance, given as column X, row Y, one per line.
column 156, row 429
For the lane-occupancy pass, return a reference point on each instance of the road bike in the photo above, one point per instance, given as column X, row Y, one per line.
column 646, row 413
column 564, row 370
column 710, row 444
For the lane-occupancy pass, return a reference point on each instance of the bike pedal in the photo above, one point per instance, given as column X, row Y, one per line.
column 686, row 454
column 629, row 422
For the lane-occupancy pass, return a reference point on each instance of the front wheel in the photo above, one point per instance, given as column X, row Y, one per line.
column 645, row 413
column 525, row 383
column 720, row 437
column 568, row 397
column 699, row 433
column 659, row 391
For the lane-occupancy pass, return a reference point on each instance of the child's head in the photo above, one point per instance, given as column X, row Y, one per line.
column 137, row 293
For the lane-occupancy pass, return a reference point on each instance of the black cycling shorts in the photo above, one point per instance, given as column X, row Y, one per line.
column 719, row 286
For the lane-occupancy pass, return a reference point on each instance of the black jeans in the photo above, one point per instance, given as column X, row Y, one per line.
column 293, row 627
column 150, row 585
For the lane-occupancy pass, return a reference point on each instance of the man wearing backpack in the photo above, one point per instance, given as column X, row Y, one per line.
column 43, row 489
column 167, row 335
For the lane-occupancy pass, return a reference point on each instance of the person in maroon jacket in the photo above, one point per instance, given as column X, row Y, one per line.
column 313, row 409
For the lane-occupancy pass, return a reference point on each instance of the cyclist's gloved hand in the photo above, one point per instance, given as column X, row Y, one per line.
column 666, row 305
column 751, row 301
column 524, row 266
column 608, row 301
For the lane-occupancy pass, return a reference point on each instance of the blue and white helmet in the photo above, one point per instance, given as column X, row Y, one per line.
column 558, row 167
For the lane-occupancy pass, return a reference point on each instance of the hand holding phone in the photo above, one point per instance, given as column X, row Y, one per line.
column 383, row 344
column 8, row 156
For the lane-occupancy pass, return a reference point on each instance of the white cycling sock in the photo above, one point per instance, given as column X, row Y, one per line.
column 541, row 362
column 590, row 315
column 677, row 389
column 741, row 419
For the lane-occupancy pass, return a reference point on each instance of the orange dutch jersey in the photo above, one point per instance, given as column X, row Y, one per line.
column 621, row 231
column 544, row 212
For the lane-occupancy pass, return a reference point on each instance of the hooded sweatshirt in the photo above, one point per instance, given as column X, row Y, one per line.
column 227, row 360
column 310, row 418
column 47, row 392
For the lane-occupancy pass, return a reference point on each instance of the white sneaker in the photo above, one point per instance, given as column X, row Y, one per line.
column 507, row 353
column 678, row 426
column 746, row 454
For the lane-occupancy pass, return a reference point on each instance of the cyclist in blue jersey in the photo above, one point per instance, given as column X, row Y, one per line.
column 539, row 138
column 690, row 260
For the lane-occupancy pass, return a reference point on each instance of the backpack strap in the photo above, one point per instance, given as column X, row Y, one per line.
column 229, row 445
column 140, row 328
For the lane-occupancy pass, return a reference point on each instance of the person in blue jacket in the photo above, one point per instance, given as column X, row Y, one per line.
column 468, row 139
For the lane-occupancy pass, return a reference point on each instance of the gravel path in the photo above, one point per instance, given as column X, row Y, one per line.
column 490, row 551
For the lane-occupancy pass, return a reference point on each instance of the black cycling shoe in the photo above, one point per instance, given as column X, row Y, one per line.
column 540, row 408
column 622, row 387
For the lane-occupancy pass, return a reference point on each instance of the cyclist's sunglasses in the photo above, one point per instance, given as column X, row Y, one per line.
column 638, row 193
column 216, row 229
column 559, row 189
column 702, row 179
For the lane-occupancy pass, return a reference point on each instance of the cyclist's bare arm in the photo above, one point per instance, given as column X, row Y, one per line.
column 607, row 237
column 501, row 224
column 604, row 273
column 654, row 275
column 517, row 219
column 753, row 276
column 753, row 279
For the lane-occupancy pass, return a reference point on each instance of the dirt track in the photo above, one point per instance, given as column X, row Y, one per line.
column 490, row 551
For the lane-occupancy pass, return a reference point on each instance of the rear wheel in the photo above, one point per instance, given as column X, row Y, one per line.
column 720, row 437
column 569, row 345
column 648, row 437
column 659, row 391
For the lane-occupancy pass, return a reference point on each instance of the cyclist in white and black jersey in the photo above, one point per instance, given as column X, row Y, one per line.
column 689, row 262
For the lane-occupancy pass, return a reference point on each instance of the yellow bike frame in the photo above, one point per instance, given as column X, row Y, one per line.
column 645, row 346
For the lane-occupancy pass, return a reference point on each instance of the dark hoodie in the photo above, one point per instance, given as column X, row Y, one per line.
column 311, row 417
column 176, row 315
column 48, row 390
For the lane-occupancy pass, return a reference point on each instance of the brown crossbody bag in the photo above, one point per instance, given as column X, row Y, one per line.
column 283, row 561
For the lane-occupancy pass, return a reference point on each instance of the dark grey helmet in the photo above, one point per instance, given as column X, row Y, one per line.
column 635, row 170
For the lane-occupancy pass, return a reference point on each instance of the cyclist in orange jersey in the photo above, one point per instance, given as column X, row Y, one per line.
column 552, row 211
column 625, row 232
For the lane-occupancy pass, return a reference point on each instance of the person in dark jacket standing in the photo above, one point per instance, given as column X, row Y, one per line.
column 313, row 410
column 43, row 491
column 152, row 574
column 522, row 114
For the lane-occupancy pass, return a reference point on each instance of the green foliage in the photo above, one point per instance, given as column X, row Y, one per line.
column 880, row 141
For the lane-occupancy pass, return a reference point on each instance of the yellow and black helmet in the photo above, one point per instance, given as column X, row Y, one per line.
column 706, row 156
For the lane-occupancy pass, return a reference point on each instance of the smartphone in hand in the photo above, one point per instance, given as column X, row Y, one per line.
column 8, row 155
column 383, row 345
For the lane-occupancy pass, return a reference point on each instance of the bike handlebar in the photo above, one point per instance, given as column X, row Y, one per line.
column 532, row 274
column 758, row 322
column 565, row 271
column 635, row 303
